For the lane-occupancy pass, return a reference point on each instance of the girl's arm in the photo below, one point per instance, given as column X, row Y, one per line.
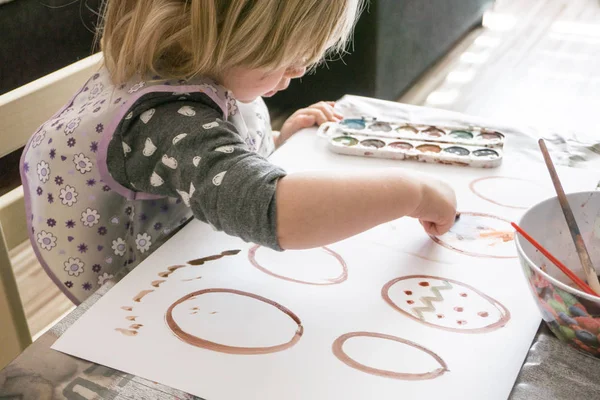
column 316, row 209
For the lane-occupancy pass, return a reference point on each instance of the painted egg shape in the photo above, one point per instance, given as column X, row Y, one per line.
column 233, row 322
column 445, row 304
column 388, row 356
column 319, row 267
column 480, row 235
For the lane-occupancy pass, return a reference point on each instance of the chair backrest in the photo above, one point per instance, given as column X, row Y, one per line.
column 17, row 123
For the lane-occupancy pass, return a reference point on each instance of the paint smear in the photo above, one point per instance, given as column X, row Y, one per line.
column 192, row 279
column 131, row 318
column 126, row 308
column 157, row 283
column 126, row 332
column 170, row 270
column 138, row 298
column 504, row 236
column 201, row 261
column 136, row 326
column 429, row 148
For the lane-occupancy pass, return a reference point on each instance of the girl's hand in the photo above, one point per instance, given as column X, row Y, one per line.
column 318, row 114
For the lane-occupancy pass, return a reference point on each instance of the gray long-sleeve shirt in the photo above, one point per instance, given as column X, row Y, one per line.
column 200, row 158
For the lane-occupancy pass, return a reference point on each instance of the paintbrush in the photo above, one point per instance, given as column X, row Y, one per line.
column 584, row 257
column 582, row 285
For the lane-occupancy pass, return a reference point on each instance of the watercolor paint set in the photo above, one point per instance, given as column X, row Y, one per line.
column 367, row 137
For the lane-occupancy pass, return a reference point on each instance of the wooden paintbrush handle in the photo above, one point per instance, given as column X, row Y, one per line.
column 582, row 252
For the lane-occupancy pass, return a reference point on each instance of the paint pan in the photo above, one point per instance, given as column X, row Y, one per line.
column 375, row 143
column 429, row 148
column 456, row 135
column 358, row 124
column 461, row 134
column 380, row 127
column 401, row 146
column 346, row 140
column 460, row 151
column 434, row 132
column 486, row 153
column 407, row 129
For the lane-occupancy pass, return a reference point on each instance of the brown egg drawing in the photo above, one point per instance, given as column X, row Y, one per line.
column 445, row 304
column 342, row 355
column 480, row 235
column 196, row 341
column 333, row 259
column 509, row 192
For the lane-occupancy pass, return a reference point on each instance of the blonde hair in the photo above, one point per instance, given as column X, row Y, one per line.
column 186, row 38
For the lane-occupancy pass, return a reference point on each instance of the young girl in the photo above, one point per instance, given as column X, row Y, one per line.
column 174, row 127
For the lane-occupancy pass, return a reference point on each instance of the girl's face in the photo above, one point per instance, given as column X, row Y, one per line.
column 248, row 84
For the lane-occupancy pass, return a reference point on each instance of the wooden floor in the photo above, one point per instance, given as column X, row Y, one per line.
column 535, row 62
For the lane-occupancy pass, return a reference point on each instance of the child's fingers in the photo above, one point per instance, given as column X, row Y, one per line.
column 325, row 108
column 318, row 114
column 435, row 229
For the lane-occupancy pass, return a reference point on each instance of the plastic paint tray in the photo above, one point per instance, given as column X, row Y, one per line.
column 466, row 146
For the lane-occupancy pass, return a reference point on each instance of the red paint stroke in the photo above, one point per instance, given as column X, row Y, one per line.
column 494, row 325
column 138, row 297
column 222, row 348
column 463, row 295
column 424, row 284
column 201, row 261
column 461, row 322
column 477, row 193
column 157, row 283
column 410, row 302
column 458, row 309
column 338, row 351
column 126, row 332
column 483, row 314
column 439, row 241
column 335, row 281
column 408, row 292
column 440, row 316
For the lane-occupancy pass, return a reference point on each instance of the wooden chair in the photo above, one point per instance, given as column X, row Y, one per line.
column 46, row 95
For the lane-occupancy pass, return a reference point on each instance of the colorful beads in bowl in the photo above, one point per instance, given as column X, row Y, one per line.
column 573, row 316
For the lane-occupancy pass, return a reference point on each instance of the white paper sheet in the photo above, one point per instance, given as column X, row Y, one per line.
column 467, row 330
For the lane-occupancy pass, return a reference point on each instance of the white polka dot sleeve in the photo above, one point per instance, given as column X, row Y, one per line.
column 185, row 149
